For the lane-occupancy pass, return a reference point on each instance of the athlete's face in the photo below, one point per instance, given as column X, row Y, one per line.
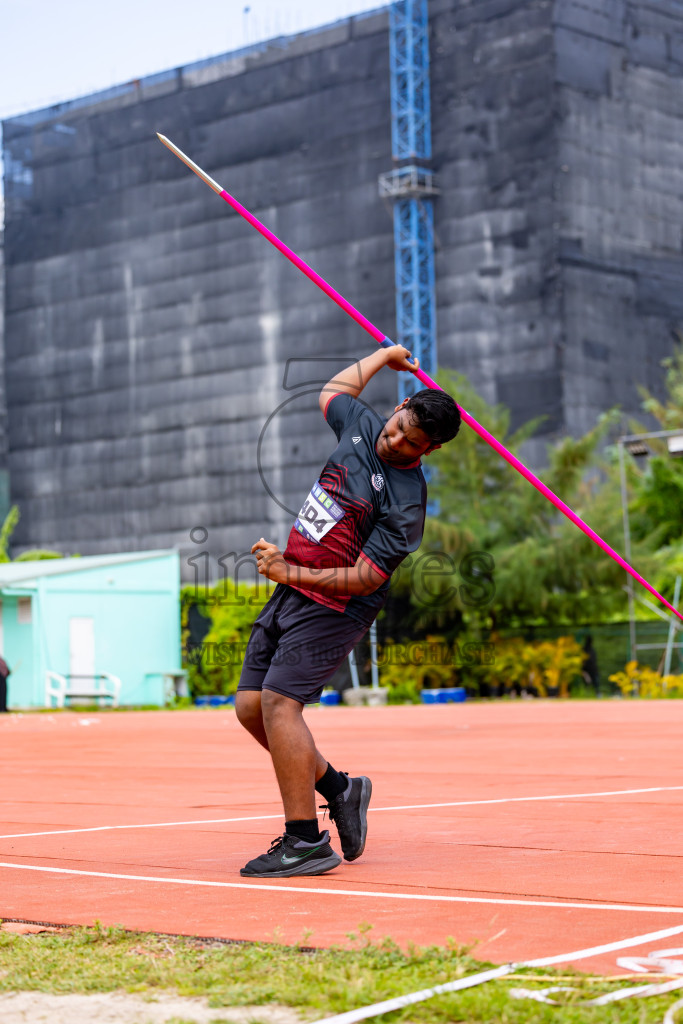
column 401, row 441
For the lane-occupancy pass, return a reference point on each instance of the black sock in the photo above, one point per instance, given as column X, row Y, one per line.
column 331, row 784
column 307, row 830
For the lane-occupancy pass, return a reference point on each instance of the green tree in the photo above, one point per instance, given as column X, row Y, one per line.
column 656, row 508
column 669, row 414
column 509, row 558
column 6, row 531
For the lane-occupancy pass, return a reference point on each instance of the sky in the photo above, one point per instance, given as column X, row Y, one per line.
column 57, row 50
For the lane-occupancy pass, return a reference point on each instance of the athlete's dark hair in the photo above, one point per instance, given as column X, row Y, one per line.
column 436, row 413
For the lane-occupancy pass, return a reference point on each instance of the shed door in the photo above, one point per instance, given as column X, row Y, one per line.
column 82, row 647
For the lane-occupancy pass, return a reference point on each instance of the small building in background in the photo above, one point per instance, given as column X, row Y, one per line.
column 114, row 615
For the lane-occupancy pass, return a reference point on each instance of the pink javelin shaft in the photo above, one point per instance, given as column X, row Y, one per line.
column 383, row 340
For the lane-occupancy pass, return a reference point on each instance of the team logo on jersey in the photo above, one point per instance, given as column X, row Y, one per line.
column 377, row 481
column 356, row 439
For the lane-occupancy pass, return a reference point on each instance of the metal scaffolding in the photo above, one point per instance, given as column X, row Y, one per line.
column 411, row 185
column 411, row 134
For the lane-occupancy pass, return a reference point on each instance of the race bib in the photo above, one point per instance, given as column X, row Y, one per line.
column 319, row 513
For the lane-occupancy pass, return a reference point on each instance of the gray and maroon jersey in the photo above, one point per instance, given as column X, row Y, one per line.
column 359, row 506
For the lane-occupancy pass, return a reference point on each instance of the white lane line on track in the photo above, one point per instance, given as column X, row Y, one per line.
column 154, row 824
column 528, row 799
column 403, row 807
column 417, row 897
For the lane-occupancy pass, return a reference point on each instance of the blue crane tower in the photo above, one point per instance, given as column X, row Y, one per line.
column 410, row 185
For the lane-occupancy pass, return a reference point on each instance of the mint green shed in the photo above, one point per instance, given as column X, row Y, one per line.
column 109, row 615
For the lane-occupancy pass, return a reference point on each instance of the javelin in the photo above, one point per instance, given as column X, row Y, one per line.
column 386, row 342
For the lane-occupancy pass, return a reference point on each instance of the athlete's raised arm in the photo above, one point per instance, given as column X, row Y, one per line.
column 353, row 379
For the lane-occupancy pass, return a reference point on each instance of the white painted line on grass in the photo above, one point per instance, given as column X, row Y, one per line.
column 366, row 893
column 352, row 1016
column 404, row 807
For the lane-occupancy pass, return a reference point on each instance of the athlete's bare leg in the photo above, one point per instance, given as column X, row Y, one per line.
column 293, row 752
column 250, row 715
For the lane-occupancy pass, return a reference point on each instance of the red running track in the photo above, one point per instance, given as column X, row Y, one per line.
column 513, row 876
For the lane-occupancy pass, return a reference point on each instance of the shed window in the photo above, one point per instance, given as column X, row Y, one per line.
column 24, row 611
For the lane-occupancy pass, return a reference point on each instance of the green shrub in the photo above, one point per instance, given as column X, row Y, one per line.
column 407, row 669
column 214, row 666
column 642, row 681
column 517, row 664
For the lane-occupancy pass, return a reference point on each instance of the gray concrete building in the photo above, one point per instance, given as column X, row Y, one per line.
column 162, row 360
column 4, row 472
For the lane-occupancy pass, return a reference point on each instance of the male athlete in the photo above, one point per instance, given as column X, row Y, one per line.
column 363, row 516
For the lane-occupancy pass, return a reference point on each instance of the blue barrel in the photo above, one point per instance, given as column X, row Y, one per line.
column 446, row 695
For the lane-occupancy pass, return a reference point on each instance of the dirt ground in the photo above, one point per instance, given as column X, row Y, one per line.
column 122, row 1008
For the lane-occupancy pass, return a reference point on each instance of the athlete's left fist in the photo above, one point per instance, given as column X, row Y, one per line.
column 269, row 561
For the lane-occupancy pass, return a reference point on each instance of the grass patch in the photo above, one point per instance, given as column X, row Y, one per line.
column 316, row 983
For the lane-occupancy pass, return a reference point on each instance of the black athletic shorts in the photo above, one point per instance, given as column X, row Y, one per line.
column 296, row 645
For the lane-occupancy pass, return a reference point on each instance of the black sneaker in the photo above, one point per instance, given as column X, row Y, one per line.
column 349, row 812
column 291, row 856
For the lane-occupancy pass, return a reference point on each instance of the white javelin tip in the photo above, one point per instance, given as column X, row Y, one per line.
column 190, row 163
